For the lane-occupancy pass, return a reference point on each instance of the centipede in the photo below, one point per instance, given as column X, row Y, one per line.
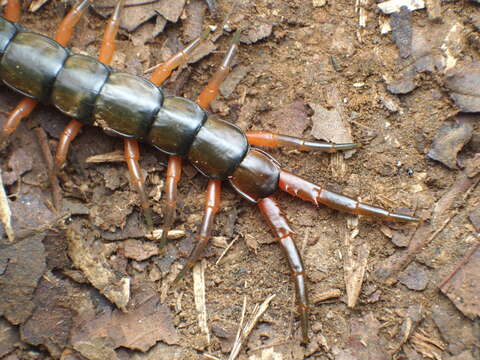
column 90, row 92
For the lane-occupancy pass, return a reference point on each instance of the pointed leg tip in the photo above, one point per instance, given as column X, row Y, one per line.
column 405, row 218
column 147, row 214
column 180, row 275
column 163, row 239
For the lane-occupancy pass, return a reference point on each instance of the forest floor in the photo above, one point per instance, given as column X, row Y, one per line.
column 89, row 282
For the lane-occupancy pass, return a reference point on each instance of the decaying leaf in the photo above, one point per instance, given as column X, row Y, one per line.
column 464, row 85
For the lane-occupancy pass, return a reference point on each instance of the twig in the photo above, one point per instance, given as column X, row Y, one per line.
column 24, row 233
column 226, row 249
column 56, row 192
column 465, row 259
column 199, row 295
column 247, row 329
column 5, row 213
column 114, row 156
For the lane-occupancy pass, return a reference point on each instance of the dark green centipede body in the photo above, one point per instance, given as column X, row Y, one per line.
column 130, row 106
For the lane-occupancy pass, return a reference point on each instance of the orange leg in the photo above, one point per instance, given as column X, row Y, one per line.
column 13, row 10
column 105, row 56
column 165, row 70
column 212, row 205
column 307, row 191
column 174, row 172
column 132, row 155
column 63, row 35
column 265, row 138
column 284, row 234
column 65, row 29
column 212, row 89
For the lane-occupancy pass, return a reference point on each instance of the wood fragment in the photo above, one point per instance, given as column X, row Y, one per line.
column 434, row 9
column 258, row 311
column 388, row 271
column 326, row 295
column 47, row 154
column 226, row 249
column 392, row 6
column 36, row 4
column 5, row 213
column 354, row 265
column 114, row 156
column 156, row 235
column 199, row 295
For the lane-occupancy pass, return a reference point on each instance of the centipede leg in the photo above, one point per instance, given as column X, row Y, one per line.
column 307, row 191
column 132, row 155
column 174, row 171
column 212, row 205
column 107, row 49
column 284, row 234
column 268, row 139
column 63, row 35
column 13, row 10
column 212, row 89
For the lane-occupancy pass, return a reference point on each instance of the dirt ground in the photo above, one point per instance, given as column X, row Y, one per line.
column 86, row 282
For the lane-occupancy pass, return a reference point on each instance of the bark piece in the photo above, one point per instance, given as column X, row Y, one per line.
column 464, row 85
column 329, row 125
column 414, row 277
column 291, row 119
column 363, row 341
column 257, row 32
column 134, row 16
column 193, row 24
column 19, row 163
column 440, row 217
column 101, row 212
column 9, row 338
column 139, row 329
column 449, row 140
column 404, row 84
column 463, row 284
column 233, row 79
column 21, row 266
column 89, row 255
column 401, row 23
column 51, row 321
column 138, row 250
column 460, row 333
column 475, row 218
column 434, row 9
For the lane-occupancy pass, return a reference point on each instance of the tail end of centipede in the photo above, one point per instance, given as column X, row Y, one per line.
column 316, row 194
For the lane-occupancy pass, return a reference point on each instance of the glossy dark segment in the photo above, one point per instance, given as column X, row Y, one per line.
column 218, row 148
column 175, row 125
column 31, row 63
column 127, row 105
column 256, row 177
column 7, row 32
column 77, row 86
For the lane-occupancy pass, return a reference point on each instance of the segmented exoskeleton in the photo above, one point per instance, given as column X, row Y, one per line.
column 132, row 107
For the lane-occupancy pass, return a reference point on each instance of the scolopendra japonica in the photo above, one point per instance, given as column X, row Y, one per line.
column 136, row 109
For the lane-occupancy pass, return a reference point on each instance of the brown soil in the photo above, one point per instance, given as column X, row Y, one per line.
column 314, row 55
